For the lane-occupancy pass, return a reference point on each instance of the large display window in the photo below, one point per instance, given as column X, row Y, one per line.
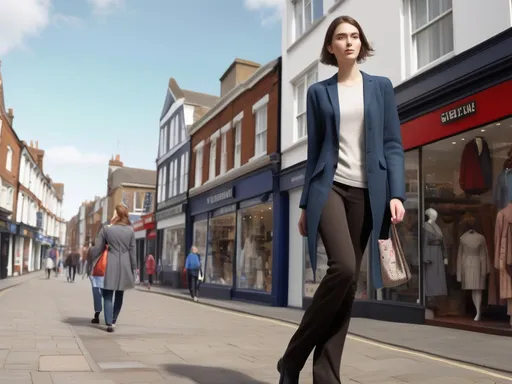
column 200, row 239
column 466, row 225
column 254, row 248
column 408, row 232
column 221, row 249
column 173, row 248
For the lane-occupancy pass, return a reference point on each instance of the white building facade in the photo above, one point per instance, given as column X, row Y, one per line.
column 422, row 46
column 39, row 213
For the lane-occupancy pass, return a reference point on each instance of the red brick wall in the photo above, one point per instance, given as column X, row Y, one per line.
column 267, row 85
column 8, row 138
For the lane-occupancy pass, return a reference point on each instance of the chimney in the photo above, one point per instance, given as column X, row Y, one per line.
column 10, row 115
column 37, row 144
column 31, row 144
column 239, row 71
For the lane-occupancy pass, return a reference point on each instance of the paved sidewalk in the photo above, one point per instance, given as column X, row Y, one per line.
column 16, row 280
column 487, row 351
column 46, row 338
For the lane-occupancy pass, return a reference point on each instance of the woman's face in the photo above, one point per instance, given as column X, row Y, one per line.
column 345, row 44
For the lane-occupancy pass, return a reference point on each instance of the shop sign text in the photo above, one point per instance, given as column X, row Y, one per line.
column 458, row 113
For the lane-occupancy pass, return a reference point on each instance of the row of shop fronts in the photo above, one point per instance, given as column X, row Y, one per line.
column 457, row 133
column 22, row 248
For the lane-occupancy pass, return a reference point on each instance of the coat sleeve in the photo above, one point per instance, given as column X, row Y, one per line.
column 460, row 256
column 393, row 148
column 314, row 142
column 132, row 252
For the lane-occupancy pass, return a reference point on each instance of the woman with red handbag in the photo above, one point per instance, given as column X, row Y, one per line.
column 116, row 261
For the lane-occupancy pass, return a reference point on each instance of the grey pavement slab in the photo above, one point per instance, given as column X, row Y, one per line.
column 160, row 339
column 489, row 351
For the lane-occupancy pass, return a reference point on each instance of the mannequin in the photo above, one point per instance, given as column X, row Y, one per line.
column 503, row 254
column 473, row 266
column 434, row 256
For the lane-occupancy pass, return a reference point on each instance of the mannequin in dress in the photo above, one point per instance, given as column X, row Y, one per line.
column 473, row 266
column 434, row 256
column 503, row 254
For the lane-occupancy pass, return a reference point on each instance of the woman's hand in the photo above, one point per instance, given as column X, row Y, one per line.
column 303, row 230
column 397, row 211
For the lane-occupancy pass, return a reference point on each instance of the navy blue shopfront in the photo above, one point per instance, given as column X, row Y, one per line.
column 238, row 229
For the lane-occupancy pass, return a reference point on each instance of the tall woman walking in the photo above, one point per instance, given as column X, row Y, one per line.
column 354, row 185
column 121, row 263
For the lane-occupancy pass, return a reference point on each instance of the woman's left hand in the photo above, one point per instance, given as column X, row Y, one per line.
column 397, row 211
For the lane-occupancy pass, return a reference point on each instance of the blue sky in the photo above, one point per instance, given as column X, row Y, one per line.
column 86, row 77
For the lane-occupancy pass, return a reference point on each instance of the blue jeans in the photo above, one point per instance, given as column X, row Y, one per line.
column 97, row 297
column 112, row 305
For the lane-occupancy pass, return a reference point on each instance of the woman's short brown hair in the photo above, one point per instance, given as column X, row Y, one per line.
column 122, row 215
column 328, row 58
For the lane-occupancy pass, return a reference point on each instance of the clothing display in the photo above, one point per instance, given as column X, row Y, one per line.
column 486, row 215
column 503, row 253
column 472, row 261
column 503, row 189
column 433, row 256
column 475, row 175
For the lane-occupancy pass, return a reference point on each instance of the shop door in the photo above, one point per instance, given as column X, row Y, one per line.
column 4, row 255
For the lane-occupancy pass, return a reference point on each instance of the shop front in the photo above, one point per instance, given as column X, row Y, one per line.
column 145, row 238
column 8, row 232
column 172, row 240
column 236, row 228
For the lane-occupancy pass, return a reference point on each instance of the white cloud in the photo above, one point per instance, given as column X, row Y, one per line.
column 70, row 155
column 270, row 10
column 63, row 20
column 20, row 19
column 103, row 7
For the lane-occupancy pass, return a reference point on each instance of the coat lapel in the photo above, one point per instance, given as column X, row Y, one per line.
column 332, row 90
column 368, row 94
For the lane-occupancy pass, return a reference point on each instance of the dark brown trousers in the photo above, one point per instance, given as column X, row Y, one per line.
column 345, row 227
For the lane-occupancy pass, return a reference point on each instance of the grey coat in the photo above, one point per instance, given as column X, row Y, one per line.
column 121, row 261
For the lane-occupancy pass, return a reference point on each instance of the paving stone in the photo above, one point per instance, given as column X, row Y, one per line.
column 41, row 378
column 63, row 364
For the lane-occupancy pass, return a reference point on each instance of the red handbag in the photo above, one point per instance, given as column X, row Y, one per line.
column 101, row 265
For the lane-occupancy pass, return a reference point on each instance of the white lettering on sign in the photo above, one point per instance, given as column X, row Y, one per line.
column 458, row 113
column 220, row 196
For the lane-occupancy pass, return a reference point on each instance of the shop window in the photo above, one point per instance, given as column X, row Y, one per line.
column 173, row 248
column 432, row 30
column 300, row 93
column 254, row 248
column 200, row 239
column 467, row 195
column 408, row 232
column 223, row 155
column 213, row 157
column 221, row 249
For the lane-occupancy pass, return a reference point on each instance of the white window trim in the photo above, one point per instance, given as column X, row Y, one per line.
column 256, row 133
column 260, row 103
column 238, row 118
column 223, row 153
column 215, row 135
column 225, row 128
column 199, row 145
column 239, row 157
column 213, row 156
column 198, row 176
column 416, row 69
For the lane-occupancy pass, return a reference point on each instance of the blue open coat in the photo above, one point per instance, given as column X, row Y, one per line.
column 385, row 167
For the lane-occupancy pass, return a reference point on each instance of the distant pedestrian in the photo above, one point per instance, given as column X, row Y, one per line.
column 50, row 266
column 54, row 255
column 121, row 263
column 194, row 274
column 97, row 286
column 72, row 261
column 150, row 269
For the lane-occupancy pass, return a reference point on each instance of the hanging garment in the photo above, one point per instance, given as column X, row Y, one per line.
column 503, row 189
column 475, row 175
column 487, row 217
column 503, row 252
column 433, row 256
column 472, row 261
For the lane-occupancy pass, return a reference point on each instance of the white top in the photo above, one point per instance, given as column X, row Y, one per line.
column 351, row 168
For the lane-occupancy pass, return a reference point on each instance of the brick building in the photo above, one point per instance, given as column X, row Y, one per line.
column 10, row 147
column 234, row 202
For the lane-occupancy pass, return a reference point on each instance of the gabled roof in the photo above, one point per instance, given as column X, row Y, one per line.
column 133, row 176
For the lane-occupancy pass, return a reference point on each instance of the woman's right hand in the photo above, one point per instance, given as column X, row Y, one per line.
column 303, row 230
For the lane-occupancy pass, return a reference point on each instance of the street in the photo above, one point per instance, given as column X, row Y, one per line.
column 47, row 338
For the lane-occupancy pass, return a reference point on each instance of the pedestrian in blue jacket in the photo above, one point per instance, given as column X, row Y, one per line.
column 193, row 270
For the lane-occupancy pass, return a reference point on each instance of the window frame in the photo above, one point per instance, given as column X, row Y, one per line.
column 8, row 159
column 199, row 153
column 305, row 25
column 302, row 115
column 212, row 162
column 427, row 25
